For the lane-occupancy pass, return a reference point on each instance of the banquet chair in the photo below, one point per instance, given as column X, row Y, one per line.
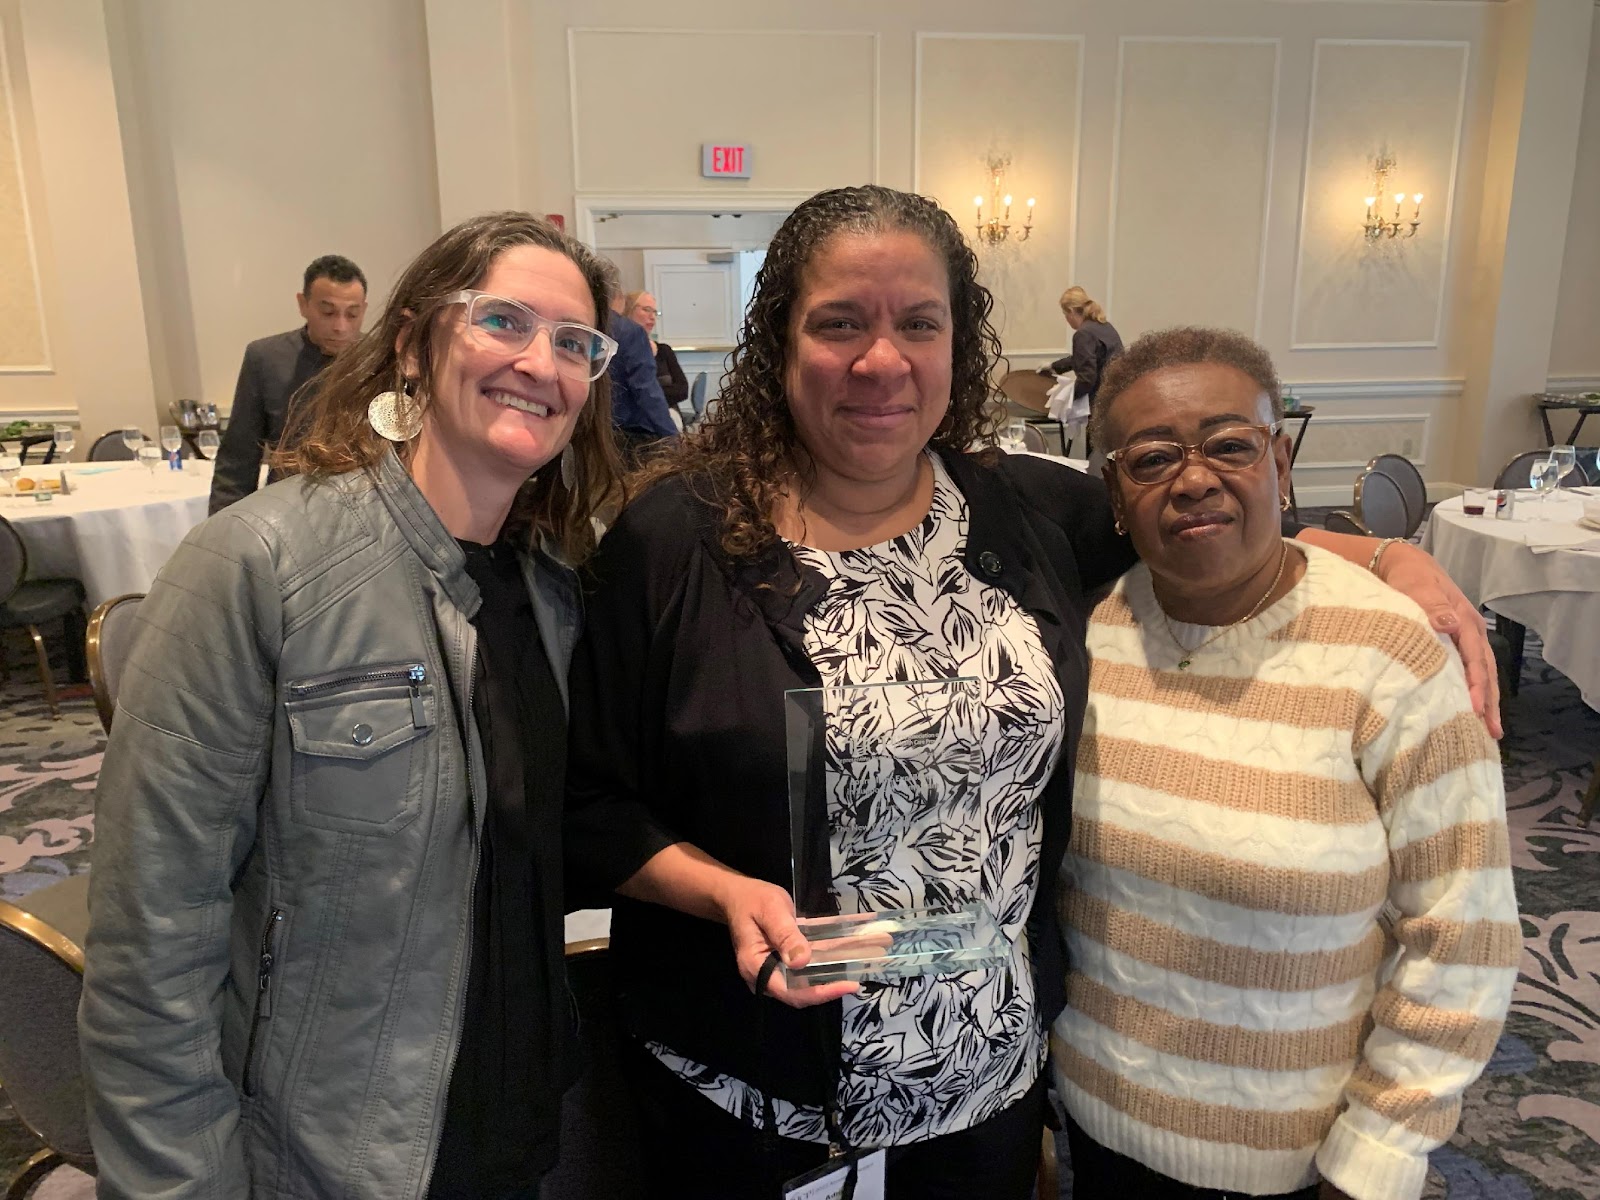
column 599, row 1146
column 109, row 447
column 112, row 626
column 1404, row 472
column 697, row 399
column 1381, row 506
column 1340, row 521
column 1032, row 439
column 1515, row 473
column 41, row 976
column 28, row 603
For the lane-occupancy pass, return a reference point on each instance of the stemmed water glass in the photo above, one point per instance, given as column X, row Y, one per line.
column 1013, row 437
column 132, row 439
column 1565, row 458
column 207, row 441
column 150, row 455
column 65, row 439
column 171, row 439
column 1543, row 477
column 10, row 468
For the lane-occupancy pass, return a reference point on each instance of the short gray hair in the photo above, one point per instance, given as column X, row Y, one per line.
column 1177, row 348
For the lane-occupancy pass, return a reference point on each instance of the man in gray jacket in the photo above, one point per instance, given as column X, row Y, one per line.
column 333, row 301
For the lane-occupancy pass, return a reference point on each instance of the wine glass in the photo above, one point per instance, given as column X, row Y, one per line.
column 150, row 455
column 10, row 468
column 132, row 439
column 1013, row 437
column 207, row 441
column 1566, row 458
column 1543, row 477
column 65, row 438
column 171, row 439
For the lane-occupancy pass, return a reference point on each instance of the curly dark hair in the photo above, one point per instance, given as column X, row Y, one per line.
column 326, row 431
column 1179, row 347
column 744, row 452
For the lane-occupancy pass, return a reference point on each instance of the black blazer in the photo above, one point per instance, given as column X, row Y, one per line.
column 1094, row 344
column 274, row 369
column 678, row 734
column 674, row 384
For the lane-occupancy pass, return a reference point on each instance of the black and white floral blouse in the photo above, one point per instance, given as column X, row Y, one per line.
column 932, row 1055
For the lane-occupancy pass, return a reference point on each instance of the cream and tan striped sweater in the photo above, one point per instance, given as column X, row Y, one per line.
column 1237, row 1015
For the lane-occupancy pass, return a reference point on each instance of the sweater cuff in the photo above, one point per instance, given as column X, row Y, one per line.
column 1364, row 1169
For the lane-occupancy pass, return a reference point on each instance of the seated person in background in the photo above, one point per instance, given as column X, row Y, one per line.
column 1094, row 344
column 642, row 311
column 333, row 301
column 638, row 405
column 1286, row 899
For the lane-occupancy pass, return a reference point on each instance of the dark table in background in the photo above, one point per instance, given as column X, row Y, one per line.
column 1549, row 402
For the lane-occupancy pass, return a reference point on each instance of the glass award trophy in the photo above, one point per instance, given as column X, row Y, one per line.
column 887, row 830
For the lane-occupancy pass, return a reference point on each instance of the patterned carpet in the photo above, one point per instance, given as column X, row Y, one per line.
column 1531, row 1126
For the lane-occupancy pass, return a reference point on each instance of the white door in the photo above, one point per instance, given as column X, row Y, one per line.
column 698, row 299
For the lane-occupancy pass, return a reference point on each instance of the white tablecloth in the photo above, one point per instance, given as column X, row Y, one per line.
column 116, row 528
column 1555, row 591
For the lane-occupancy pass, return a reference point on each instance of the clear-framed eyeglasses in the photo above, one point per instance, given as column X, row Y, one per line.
column 508, row 326
column 647, row 310
column 1236, row 448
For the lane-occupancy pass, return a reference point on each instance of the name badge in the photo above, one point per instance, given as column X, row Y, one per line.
column 828, row 1181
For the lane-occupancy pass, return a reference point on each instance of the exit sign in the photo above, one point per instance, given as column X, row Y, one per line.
column 724, row 162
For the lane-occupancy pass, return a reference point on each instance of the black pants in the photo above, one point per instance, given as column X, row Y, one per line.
column 1098, row 1172
column 692, row 1147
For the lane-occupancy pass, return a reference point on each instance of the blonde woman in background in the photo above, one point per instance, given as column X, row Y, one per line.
column 1094, row 342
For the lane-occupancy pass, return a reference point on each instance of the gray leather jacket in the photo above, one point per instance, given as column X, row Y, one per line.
column 287, row 827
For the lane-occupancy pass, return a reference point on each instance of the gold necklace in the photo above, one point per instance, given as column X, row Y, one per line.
column 1188, row 655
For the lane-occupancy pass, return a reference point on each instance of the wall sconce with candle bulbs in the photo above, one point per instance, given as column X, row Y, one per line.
column 1377, row 225
column 997, row 227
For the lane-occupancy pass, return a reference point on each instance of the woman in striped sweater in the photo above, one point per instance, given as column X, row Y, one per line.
column 1287, row 899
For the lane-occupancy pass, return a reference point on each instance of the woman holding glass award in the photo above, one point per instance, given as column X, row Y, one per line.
column 326, row 952
column 829, row 527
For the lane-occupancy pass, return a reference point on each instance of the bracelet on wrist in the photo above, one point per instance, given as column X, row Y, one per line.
column 1377, row 553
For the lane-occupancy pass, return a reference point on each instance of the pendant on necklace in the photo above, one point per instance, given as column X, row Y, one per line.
column 1183, row 663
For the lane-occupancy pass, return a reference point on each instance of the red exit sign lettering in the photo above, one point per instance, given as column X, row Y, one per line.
column 719, row 161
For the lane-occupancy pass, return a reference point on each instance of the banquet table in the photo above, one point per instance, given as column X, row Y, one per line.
column 117, row 526
column 1541, row 568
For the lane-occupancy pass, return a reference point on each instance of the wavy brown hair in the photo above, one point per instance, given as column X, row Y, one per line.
column 327, row 432
column 744, row 453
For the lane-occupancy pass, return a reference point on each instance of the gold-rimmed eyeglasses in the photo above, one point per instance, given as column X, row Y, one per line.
column 508, row 327
column 1236, row 448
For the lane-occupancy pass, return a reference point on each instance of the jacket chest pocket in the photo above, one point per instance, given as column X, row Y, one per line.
column 360, row 747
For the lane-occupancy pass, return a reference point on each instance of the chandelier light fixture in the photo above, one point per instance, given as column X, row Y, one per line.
column 1377, row 226
column 996, row 228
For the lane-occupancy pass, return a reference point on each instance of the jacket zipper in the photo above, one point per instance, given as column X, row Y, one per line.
column 263, row 1006
column 467, row 729
column 416, row 674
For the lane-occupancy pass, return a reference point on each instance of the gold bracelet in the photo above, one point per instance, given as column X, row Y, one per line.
column 1378, row 553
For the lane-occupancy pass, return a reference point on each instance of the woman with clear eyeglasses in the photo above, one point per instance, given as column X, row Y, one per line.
column 1287, row 900
column 326, row 951
column 641, row 308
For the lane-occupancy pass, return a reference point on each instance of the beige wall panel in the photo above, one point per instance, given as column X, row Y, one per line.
column 22, row 344
column 806, row 104
column 1366, row 95
column 272, row 134
column 1189, row 206
column 1576, row 347
column 1350, row 441
column 1018, row 96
